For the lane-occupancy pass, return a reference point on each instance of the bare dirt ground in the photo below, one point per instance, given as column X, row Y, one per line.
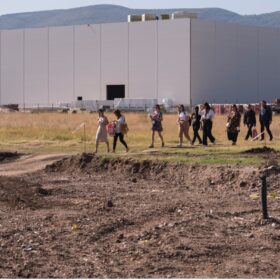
column 89, row 217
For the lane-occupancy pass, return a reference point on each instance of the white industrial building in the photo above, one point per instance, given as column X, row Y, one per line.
column 186, row 60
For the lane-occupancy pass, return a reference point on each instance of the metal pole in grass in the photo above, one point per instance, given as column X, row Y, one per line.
column 264, row 197
column 85, row 139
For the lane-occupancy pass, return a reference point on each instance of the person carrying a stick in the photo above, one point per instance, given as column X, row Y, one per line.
column 265, row 120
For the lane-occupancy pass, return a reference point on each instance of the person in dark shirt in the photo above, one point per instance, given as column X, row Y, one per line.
column 249, row 120
column 265, row 119
column 233, row 124
column 196, row 124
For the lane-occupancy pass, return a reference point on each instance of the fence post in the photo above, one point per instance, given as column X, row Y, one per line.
column 264, row 197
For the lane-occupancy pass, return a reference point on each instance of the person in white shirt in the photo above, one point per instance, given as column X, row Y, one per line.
column 184, row 125
column 207, row 116
column 101, row 134
column 120, row 123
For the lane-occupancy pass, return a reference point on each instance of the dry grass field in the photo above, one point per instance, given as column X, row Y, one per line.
column 53, row 133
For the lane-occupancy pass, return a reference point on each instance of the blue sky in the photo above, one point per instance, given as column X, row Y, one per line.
column 239, row 6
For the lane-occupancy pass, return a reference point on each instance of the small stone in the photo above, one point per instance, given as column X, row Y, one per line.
column 28, row 248
column 121, row 236
column 242, row 184
column 110, row 204
column 43, row 191
column 251, row 235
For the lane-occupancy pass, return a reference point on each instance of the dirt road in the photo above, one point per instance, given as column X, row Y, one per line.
column 28, row 164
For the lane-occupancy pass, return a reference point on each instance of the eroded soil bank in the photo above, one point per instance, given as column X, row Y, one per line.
column 86, row 216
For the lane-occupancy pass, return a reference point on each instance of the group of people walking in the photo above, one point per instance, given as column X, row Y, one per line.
column 119, row 129
column 249, row 120
column 200, row 119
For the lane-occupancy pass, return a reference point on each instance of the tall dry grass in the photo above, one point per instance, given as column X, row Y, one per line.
column 53, row 132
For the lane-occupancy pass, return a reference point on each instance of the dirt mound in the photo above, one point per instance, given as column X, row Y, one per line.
column 8, row 156
column 89, row 163
column 163, row 172
column 263, row 150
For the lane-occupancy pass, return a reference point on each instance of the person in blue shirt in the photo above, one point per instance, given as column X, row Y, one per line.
column 265, row 119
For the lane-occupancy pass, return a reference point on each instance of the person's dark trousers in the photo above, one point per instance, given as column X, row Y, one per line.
column 266, row 126
column 196, row 135
column 207, row 132
column 232, row 136
column 249, row 132
column 116, row 136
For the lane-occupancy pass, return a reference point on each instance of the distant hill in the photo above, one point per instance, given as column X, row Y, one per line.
column 113, row 13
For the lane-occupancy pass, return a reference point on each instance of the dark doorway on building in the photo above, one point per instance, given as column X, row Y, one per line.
column 115, row 91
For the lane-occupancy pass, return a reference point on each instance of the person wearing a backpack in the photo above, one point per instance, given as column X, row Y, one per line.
column 249, row 120
column 265, row 119
column 183, row 122
column 101, row 134
column 120, row 130
column 196, row 124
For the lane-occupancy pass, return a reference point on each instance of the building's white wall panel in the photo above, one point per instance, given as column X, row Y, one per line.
column 36, row 66
column 174, row 60
column 87, row 62
column 61, row 49
column 247, row 64
column 143, row 60
column 114, row 56
column 269, row 68
column 12, row 67
column 226, row 84
column 233, row 63
column 203, row 46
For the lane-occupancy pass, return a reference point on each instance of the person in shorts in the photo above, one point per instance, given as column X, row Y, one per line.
column 157, row 118
column 184, row 125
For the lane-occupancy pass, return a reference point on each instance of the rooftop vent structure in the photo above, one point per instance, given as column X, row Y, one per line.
column 184, row 14
column 148, row 17
column 165, row 16
column 133, row 18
